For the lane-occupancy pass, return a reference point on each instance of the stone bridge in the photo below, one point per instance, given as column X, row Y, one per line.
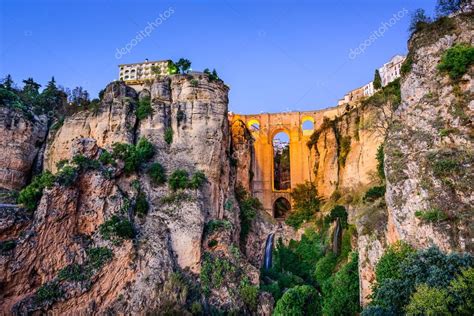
column 264, row 127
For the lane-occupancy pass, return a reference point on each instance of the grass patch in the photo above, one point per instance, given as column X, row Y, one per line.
column 433, row 215
column 457, row 60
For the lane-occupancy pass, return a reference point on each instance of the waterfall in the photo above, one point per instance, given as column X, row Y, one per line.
column 267, row 259
column 337, row 236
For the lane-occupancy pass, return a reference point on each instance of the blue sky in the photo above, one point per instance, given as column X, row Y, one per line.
column 275, row 55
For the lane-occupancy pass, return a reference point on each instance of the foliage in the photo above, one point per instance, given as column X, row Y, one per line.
column 461, row 290
column 388, row 266
column 215, row 271
column 374, row 193
column 168, row 135
column 211, row 75
column 30, row 196
column 406, row 65
column 67, row 175
column 325, row 268
column 428, row 301
column 48, row 292
column 249, row 294
column 172, row 68
column 133, row 156
column 98, row 256
column 457, row 60
column 305, row 202
column 183, row 65
column 106, row 158
column 7, row 245
column 141, row 204
column 116, row 229
column 418, row 20
column 337, row 211
column 73, row 272
column 432, row 215
column 377, row 80
column 85, row 163
column 403, row 271
column 144, row 108
column 157, row 173
column 194, row 83
column 197, row 180
column 342, row 296
column 344, row 148
column 217, row 224
column 175, row 198
column 380, row 163
column 179, row 179
column 299, row 300
column 212, row 243
column 249, row 206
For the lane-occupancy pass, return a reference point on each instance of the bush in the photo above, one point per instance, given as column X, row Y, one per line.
column 343, row 295
column 212, row 243
column 106, row 158
column 406, row 65
column 67, row 175
column 133, row 155
column 157, row 173
column 73, row 272
column 179, row 179
column 299, row 300
column 418, row 20
column 97, row 257
column 457, row 60
column 249, row 294
column 116, row 229
column 340, row 212
column 217, row 224
column 305, row 202
column 141, row 205
column 85, row 163
column 428, row 301
column 7, row 245
column 374, row 193
column 461, row 290
column 325, row 268
column 215, row 271
column 168, row 135
column 344, row 148
column 144, row 108
column 432, row 215
column 48, row 292
column 249, row 206
column 388, row 266
column 197, row 180
column 30, row 196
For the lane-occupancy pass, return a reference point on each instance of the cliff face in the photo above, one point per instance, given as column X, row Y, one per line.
column 20, row 140
column 159, row 268
column 429, row 153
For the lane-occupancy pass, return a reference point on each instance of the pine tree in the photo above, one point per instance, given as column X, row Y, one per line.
column 377, row 80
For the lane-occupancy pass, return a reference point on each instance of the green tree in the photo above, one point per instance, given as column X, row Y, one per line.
column 457, row 60
column 418, row 19
column 377, row 80
column 429, row 301
column 447, row 7
column 299, row 300
column 183, row 65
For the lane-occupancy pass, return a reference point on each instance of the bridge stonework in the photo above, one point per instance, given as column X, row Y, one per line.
column 302, row 159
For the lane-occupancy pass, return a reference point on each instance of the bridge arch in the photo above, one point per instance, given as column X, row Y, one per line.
column 281, row 208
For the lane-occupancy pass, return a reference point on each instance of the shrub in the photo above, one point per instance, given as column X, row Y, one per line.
column 73, row 272
column 337, row 211
column 388, row 266
column 461, row 290
column 457, row 60
column 432, row 215
column 133, row 156
column 406, row 65
column 175, row 198
column 196, row 308
column 428, row 301
column 249, row 294
column 214, row 271
column 343, row 295
column 305, row 202
column 374, row 193
column 157, row 173
column 116, row 229
column 194, row 83
column 418, row 20
column 249, row 206
column 85, row 163
column 168, row 135
column 48, row 292
column 7, row 245
column 67, row 175
column 179, row 179
column 30, row 196
column 141, row 205
column 217, row 224
column 106, row 158
column 344, row 148
column 299, row 300
column 325, row 268
column 212, row 243
column 98, row 256
column 144, row 108
column 197, row 180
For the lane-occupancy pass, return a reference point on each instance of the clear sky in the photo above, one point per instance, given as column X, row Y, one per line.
column 275, row 55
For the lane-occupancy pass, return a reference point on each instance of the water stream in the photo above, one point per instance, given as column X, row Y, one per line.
column 267, row 259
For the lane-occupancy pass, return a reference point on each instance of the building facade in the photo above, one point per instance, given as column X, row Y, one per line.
column 391, row 70
column 137, row 73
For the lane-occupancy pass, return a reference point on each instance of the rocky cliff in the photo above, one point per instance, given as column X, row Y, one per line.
column 103, row 239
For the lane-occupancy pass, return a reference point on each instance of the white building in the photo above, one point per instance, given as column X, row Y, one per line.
column 391, row 70
column 369, row 89
column 139, row 72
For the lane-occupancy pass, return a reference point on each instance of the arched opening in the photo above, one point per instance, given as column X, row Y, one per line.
column 254, row 126
column 281, row 161
column 307, row 126
column 281, row 208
